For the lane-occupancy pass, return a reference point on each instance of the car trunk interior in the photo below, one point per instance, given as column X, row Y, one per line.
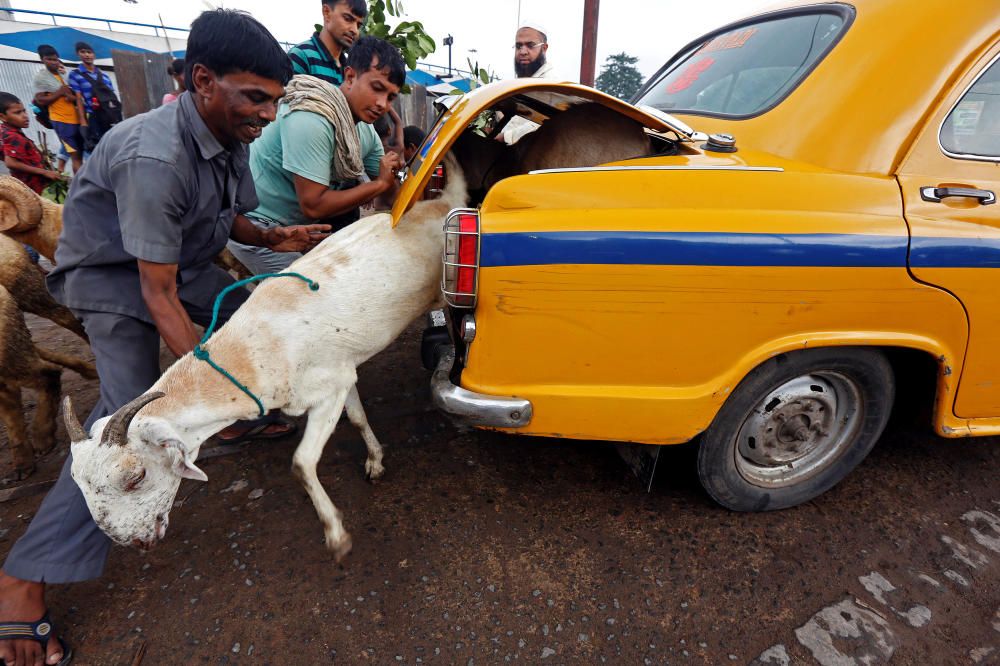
column 544, row 130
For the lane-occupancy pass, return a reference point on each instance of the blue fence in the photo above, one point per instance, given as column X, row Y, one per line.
column 439, row 70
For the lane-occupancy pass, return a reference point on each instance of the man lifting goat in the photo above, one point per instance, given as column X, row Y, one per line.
column 158, row 201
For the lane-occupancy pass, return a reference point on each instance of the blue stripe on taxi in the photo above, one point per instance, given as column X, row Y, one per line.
column 732, row 249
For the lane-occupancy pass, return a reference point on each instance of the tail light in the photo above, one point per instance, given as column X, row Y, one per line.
column 436, row 184
column 460, row 279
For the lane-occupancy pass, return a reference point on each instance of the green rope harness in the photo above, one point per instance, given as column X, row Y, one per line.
column 201, row 353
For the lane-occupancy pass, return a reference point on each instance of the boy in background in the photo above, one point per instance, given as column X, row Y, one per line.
column 20, row 153
column 413, row 136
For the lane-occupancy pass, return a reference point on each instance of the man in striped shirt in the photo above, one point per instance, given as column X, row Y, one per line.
column 324, row 56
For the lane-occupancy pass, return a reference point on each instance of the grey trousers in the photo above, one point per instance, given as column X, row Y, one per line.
column 260, row 260
column 63, row 544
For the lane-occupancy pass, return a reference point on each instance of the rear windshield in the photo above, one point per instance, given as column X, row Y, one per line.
column 747, row 70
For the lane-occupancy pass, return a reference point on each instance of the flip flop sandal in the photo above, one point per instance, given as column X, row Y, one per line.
column 40, row 632
column 259, row 431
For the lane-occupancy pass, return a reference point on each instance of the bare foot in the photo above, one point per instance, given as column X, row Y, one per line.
column 24, row 601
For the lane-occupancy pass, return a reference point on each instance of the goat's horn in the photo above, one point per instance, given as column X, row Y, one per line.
column 73, row 427
column 116, row 431
column 20, row 208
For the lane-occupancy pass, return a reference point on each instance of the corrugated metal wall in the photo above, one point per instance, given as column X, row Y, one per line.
column 17, row 77
column 142, row 80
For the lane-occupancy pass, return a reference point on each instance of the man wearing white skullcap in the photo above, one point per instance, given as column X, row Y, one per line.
column 530, row 61
column 530, row 51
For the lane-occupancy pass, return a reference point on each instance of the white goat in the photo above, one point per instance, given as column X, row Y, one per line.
column 297, row 350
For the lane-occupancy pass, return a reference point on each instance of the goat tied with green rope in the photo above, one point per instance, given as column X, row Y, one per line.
column 289, row 347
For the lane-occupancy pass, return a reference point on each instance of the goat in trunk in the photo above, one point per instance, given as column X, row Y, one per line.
column 585, row 135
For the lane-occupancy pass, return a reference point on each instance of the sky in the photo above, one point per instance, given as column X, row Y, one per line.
column 651, row 30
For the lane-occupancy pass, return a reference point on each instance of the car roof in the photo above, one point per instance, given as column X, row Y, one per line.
column 859, row 109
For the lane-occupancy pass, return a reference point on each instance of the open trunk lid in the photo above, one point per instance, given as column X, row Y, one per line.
column 534, row 99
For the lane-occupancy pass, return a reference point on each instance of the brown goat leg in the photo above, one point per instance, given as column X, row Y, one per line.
column 83, row 368
column 43, row 428
column 20, row 451
column 228, row 262
column 33, row 296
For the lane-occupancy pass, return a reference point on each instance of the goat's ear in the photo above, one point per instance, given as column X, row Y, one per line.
column 188, row 470
column 184, row 466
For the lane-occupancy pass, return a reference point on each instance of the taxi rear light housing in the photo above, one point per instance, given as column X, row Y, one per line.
column 435, row 187
column 460, row 277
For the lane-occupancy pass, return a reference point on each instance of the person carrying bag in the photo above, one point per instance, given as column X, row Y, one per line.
column 103, row 108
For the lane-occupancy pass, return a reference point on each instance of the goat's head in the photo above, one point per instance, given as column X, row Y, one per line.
column 20, row 208
column 129, row 476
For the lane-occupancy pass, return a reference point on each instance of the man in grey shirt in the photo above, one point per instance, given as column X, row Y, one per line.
column 158, row 200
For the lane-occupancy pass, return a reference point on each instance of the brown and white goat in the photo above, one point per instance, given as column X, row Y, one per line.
column 297, row 350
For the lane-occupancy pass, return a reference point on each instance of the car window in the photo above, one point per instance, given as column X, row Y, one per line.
column 972, row 129
column 747, row 70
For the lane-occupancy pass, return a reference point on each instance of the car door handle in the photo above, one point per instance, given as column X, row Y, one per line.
column 936, row 194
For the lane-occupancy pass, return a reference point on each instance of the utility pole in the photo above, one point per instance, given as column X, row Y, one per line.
column 588, row 59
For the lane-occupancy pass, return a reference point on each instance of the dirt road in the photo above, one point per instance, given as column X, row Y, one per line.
column 483, row 548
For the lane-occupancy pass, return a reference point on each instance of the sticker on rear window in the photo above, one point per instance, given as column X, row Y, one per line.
column 965, row 117
column 732, row 40
column 690, row 75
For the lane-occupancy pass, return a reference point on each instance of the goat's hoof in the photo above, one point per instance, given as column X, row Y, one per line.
column 339, row 548
column 373, row 470
column 19, row 473
column 41, row 453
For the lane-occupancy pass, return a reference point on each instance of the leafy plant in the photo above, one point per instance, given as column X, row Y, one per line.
column 480, row 75
column 409, row 37
column 57, row 189
column 486, row 120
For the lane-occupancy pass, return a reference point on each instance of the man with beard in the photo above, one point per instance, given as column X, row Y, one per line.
column 308, row 165
column 324, row 55
column 530, row 52
column 160, row 196
column 530, row 61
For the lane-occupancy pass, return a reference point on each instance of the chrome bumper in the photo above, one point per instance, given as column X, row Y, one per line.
column 475, row 409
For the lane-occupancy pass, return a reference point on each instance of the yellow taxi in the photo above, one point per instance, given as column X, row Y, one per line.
column 816, row 217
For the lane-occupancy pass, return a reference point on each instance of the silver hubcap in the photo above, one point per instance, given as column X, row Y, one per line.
column 798, row 429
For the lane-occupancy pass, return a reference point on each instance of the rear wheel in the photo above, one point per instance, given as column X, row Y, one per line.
column 795, row 427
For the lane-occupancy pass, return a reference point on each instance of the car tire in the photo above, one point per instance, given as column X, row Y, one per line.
column 796, row 426
column 434, row 341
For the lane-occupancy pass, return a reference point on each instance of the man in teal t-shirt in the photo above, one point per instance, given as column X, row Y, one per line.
column 292, row 162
